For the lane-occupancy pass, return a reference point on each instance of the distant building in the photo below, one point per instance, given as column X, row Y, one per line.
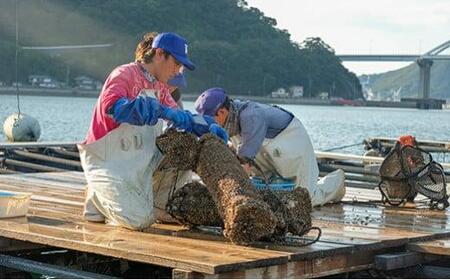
column 296, row 91
column 280, row 93
column 43, row 81
column 19, row 84
column 324, row 95
column 87, row 83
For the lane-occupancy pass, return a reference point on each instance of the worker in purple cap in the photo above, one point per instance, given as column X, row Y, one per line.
column 119, row 157
column 273, row 140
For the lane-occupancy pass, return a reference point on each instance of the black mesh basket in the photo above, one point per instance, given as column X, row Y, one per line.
column 431, row 183
column 414, row 160
column 395, row 192
column 394, row 185
column 391, row 166
column 409, row 170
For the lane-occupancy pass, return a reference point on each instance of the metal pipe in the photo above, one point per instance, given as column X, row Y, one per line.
column 37, row 145
column 361, row 185
column 356, row 178
column 430, row 149
column 47, row 269
column 327, row 156
column 34, row 166
column 349, row 169
column 48, row 158
column 66, row 153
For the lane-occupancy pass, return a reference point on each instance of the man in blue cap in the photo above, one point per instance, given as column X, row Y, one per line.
column 119, row 155
column 273, row 139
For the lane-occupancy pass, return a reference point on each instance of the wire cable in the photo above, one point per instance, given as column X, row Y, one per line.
column 342, row 147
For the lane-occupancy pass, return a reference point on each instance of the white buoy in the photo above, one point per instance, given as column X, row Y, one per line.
column 21, row 128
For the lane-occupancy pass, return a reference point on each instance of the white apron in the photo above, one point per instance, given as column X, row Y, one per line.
column 118, row 169
column 291, row 155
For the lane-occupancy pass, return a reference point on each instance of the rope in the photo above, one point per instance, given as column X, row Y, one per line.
column 319, row 234
column 17, row 64
column 342, row 147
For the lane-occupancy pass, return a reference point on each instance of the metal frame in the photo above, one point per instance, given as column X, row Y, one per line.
column 47, row 269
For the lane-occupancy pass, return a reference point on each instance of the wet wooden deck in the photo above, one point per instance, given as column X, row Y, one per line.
column 355, row 233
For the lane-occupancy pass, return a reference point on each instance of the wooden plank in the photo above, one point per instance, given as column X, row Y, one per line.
column 177, row 252
column 339, row 243
column 68, row 196
column 383, row 217
column 398, row 260
column 318, row 249
column 55, row 219
column 55, row 187
column 293, row 252
column 319, row 267
column 437, row 247
column 69, row 177
column 324, row 247
column 62, row 185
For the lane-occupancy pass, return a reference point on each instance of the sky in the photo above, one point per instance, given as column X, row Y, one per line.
column 365, row 27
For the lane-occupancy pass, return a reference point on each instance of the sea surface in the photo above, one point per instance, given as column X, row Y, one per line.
column 67, row 119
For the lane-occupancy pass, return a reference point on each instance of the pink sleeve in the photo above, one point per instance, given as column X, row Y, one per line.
column 116, row 87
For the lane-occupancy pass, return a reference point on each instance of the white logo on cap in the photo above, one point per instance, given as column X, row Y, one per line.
column 185, row 49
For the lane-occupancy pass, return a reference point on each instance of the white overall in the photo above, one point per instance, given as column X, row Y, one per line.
column 119, row 168
column 291, row 155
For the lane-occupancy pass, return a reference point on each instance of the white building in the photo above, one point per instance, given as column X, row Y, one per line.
column 43, row 81
column 87, row 83
column 280, row 93
column 296, row 91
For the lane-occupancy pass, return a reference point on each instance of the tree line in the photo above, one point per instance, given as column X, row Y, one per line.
column 233, row 45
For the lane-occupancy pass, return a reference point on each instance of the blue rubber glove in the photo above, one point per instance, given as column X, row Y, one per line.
column 140, row 111
column 180, row 119
column 201, row 124
column 206, row 124
column 219, row 132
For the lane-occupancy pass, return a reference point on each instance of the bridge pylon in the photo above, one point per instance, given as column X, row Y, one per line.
column 425, row 73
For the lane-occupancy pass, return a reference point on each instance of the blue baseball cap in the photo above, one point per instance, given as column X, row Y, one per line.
column 176, row 45
column 178, row 81
column 210, row 101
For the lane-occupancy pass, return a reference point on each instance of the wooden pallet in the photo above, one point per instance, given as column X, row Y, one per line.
column 354, row 233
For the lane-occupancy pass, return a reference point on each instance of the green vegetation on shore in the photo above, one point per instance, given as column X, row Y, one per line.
column 234, row 46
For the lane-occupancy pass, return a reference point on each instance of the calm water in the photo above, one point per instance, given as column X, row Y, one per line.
column 67, row 119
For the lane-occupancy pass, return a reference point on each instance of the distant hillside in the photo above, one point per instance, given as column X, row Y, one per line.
column 407, row 81
column 233, row 45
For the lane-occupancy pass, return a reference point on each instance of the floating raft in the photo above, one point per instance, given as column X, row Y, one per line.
column 356, row 235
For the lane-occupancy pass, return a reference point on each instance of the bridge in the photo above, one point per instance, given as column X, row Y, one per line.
column 425, row 61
